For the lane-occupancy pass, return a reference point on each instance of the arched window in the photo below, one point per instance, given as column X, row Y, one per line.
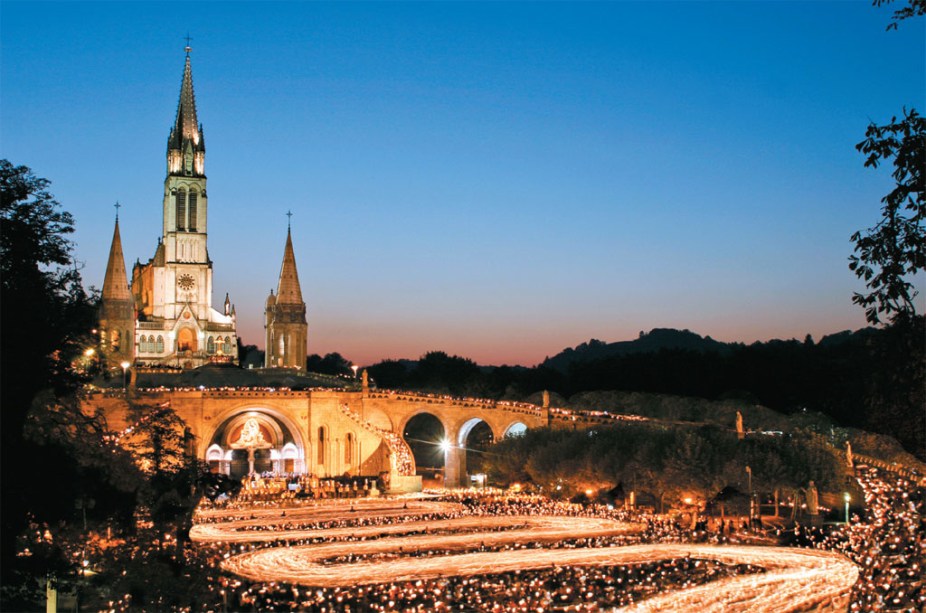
column 160, row 345
column 349, row 448
column 180, row 203
column 210, row 345
column 143, row 344
column 322, row 443
column 114, row 340
column 228, row 348
column 282, row 351
column 151, row 344
column 192, row 207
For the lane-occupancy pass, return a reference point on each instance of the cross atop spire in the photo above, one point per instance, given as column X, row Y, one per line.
column 289, row 220
column 188, row 48
column 118, row 206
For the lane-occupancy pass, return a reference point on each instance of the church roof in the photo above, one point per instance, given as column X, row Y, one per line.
column 186, row 126
column 288, row 290
column 115, row 284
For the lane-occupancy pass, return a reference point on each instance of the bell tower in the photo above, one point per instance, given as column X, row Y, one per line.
column 287, row 330
column 177, row 325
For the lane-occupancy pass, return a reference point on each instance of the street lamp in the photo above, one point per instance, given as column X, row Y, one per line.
column 354, row 368
column 847, row 498
column 125, row 368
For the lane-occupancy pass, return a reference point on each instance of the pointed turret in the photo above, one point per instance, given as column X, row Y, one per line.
column 115, row 284
column 117, row 307
column 288, row 289
column 287, row 330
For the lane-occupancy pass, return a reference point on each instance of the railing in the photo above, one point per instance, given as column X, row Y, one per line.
column 893, row 467
column 398, row 448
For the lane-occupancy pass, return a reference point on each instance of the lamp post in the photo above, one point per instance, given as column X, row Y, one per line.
column 847, row 498
column 125, row 369
column 751, row 495
column 354, row 368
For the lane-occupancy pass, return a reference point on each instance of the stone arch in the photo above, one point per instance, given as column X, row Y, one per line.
column 469, row 456
column 424, row 432
column 516, row 428
column 186, row 339
column 280, row 426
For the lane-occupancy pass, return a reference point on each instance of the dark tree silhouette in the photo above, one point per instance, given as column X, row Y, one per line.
column 46, row 320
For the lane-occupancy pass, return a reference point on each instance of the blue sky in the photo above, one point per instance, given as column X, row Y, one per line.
column 494, row 180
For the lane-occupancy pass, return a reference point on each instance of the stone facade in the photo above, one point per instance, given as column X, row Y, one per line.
column 325, row 433
column 172, row 321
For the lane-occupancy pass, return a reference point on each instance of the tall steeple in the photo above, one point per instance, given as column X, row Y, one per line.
column 117, row 307
column 287, row 330
column 186, row 147
column 185, row 200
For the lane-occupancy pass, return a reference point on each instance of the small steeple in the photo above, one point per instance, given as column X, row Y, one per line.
column 288, row 289
column 115, row 283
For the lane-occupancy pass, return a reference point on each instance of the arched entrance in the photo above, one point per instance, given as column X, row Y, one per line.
column 475, row 438
column 255, row 440
column 186, row 339
column 425, row 435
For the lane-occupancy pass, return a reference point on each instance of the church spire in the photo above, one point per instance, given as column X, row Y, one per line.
column 117, row 307
column 287, row 330
column 288, row 289
column 186, row 146
column 115, row 283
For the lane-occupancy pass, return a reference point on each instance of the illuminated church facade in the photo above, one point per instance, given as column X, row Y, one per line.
column 160, row 327
column 164, row 317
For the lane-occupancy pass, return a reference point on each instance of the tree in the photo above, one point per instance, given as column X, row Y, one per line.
column 913, row 9
column 894, row 250
column 46, row 319
column 163, row 447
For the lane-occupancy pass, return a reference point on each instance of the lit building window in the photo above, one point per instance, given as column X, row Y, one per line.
column 180, row 203
column 192, row 207
column 160, row 345
column 210, row 345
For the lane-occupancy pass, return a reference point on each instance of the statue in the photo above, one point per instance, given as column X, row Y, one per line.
column 740, row 433
column 849, row 461
column 813, row 499
column 251, row 438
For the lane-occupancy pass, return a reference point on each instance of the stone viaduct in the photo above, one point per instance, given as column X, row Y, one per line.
column 325, row 432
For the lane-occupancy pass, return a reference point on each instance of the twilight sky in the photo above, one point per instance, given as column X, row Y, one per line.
column 497, row 181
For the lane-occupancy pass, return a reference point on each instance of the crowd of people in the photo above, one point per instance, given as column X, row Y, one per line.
column 285, row 489
column 886, row 541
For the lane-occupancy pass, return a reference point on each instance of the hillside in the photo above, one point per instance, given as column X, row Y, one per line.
column 653, row 341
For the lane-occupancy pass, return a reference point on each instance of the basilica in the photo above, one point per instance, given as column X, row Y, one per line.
column 164, row 317
column 159, row 331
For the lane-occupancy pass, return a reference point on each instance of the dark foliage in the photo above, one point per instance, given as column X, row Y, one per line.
column 46, row 320
column 889, row 254
column 330, row 364
column 867, row 379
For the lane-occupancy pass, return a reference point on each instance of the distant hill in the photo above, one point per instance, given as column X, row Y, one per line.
column 655, row 340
